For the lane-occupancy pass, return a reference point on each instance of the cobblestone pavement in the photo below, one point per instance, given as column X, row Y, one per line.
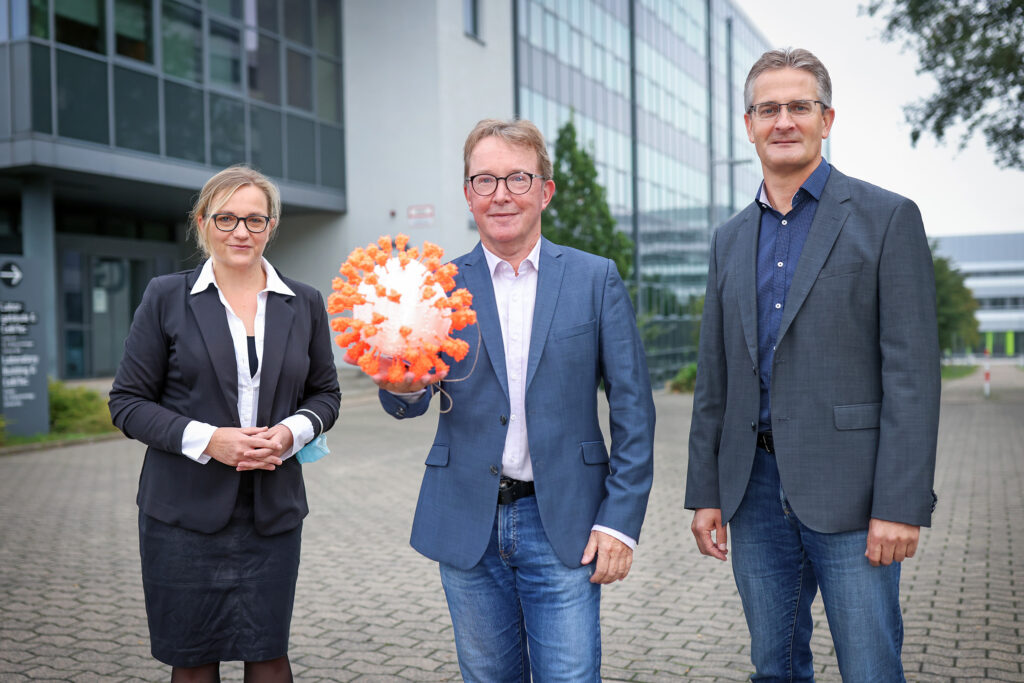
column 369, row 608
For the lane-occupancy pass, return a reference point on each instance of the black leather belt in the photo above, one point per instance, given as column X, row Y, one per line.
column 765, row 442
column 511, row 490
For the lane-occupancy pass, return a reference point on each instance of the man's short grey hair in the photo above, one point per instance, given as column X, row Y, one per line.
column 789, row 58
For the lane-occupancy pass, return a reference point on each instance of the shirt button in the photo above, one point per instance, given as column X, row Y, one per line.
column 785, row 222
column 778, row 305
column 779, row 264
column 513, row 418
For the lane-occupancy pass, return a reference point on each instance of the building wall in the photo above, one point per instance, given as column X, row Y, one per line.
column 415, row 85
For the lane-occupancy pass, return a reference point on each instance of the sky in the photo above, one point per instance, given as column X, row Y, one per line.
column 958, row 192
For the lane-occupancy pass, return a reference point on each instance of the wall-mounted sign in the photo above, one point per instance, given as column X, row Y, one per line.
column 420, row 215
column 23, row 387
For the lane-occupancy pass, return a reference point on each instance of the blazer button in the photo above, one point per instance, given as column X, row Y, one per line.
column 753, row 426
column 494, row 469
column 503, row 419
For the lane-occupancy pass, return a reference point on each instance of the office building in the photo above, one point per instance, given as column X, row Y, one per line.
column 115, row 112
column 993, row 269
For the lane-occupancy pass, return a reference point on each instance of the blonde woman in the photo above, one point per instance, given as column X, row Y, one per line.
column 227, row 373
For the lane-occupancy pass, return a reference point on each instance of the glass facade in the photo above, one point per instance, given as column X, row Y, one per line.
column 195, row 80
column 654, row 88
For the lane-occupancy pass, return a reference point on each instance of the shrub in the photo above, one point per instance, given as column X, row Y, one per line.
column 77, row 410
column 684, row 380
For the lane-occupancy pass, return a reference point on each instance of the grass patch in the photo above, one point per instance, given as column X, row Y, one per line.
column 75, row 413
column 957, row 371
column 685, row 379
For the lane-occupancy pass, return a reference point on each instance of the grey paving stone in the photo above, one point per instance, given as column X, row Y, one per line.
column 368, row 608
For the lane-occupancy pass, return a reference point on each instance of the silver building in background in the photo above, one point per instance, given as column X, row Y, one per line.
column 993, row 269
column 114, row 112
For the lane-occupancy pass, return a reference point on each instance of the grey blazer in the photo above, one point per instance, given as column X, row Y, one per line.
column 855, row 381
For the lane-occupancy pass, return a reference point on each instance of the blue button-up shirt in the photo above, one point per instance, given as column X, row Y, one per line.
column 780, row 241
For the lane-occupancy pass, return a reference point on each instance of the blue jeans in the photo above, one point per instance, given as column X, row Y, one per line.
column 520, row 610
column 779, row 563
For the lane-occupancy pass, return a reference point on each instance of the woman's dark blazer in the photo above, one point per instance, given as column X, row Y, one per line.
column 179, row 365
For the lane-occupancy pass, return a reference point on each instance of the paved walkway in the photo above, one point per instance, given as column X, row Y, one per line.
column 369, row 608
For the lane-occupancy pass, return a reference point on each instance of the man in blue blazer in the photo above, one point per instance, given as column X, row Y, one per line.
column 815, row 414
column 522, row 504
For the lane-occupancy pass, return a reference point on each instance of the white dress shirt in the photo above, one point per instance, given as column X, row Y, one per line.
column 516, row 295
column 197, row 435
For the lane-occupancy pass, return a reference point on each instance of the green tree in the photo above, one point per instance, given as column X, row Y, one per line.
column 975, row 51
column 578, row 215
column 955, row 306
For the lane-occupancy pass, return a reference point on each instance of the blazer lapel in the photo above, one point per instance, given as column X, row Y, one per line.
column 213, row 328
column 277, row 326
column 747, row 275
column 478, row 279
column 828, row 221
column 549, row 282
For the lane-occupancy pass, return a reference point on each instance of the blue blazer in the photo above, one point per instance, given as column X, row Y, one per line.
column 179, row 365
column 584, row 332
column 855, row 381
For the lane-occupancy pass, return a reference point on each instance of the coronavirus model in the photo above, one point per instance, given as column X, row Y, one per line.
column 395, row 311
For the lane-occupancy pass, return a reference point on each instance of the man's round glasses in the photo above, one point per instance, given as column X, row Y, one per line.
column 485, row 184
column 227, row 222
column 766, row 111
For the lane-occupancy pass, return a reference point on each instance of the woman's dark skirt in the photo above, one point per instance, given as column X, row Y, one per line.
column 218, row 597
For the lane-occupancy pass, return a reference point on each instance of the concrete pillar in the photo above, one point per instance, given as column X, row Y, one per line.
column 40, row 249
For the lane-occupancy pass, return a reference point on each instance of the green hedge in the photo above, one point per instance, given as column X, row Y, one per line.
column 685, row 379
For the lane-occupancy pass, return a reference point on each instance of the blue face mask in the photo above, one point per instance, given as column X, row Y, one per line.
column 314, row 450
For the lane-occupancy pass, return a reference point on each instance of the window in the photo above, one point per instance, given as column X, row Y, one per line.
column 298, row 22
column 80, row 23
column 231, row 8
column 42, row 119
column 328, row 27
column 133, row 29
column 80, row 112
column 183, row 117
column 227, row 132
column 300, row 80
column 182, row 38
column 264, row 68
column 266, row 138
column 332, row 157
column 38, row 19
column 225, row 56
column 328, row 104
column 301, row 150
column 266, row 15
column 471, row 18
column 136, row 113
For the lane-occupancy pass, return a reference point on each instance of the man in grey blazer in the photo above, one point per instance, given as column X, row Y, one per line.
column 815, row 415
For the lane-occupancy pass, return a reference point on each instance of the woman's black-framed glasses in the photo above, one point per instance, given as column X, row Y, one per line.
column 227, row 222
column 485, row 184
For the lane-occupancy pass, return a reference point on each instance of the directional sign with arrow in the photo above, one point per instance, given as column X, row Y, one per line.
column 11, row 274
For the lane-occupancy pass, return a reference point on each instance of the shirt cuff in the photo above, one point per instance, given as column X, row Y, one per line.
column 615, row 534
column 301, row 428
column 195, row 439
column 409, row 396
